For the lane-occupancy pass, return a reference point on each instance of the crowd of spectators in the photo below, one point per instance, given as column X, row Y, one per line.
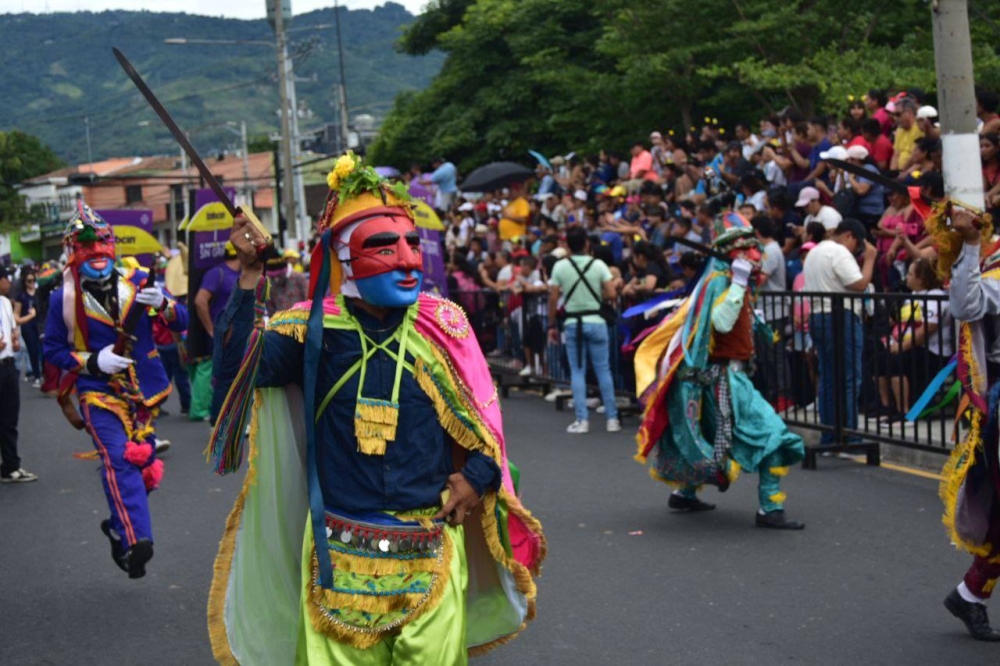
column 646, row 211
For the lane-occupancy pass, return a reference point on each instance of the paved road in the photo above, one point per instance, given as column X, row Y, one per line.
column 862, row 584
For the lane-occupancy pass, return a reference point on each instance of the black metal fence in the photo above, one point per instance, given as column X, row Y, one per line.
column 513, row 333
column 853, row 366
column 848, row 365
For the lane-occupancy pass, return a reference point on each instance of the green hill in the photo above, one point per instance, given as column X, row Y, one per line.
column 59, row 68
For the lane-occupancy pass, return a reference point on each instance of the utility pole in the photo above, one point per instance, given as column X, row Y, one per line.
column 90, row 156
column 286, row 133
column 247, row 194
column 184, row 186
column 344, row 129
column 963, row 177
column 301, row 227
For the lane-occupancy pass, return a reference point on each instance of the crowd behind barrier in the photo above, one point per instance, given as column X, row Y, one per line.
column 876, row 379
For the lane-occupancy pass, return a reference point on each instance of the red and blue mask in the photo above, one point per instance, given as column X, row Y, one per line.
column 89, row 243
column 382, row 261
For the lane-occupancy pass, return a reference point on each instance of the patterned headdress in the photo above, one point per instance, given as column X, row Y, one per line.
column 87, row 235
column 357, row 192
column 733, row 232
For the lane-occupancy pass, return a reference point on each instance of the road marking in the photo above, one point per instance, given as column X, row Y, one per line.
column 915, row 471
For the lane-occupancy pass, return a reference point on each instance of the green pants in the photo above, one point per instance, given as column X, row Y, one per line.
column 200, row 374
column 436, row 637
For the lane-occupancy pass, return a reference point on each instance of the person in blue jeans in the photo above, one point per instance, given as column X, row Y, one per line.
column 832, row 266
column 582, row 282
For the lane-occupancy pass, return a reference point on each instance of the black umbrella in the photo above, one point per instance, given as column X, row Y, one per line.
column 495, row 176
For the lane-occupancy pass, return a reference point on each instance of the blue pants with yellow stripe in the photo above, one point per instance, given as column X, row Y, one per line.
column 123, row 482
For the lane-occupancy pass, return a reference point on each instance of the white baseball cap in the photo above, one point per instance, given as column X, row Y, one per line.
column 466, row 207
column 580, row 195
column 927, row 112
column 857, row 153
column 835, row 152
column 807, row 194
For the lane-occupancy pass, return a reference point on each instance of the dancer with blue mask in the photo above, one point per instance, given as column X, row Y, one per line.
column 378, row 523
column 119, row 391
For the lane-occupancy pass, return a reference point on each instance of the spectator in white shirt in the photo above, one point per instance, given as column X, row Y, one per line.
column 816, row 211
column 832, row 266
column 10, row 389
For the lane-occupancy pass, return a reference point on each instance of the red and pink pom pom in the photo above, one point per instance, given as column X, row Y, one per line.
column 152, row 475
column 138, row 454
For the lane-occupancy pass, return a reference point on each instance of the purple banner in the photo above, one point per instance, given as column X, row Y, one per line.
column 205, row 196
column 420, row 191
column 435, row 275
column 132, row 217
column 209, row 248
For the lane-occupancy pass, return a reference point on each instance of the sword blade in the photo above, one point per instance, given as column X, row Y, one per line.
column 177, row 132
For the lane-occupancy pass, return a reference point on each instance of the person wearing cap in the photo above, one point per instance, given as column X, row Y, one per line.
column 832, row 266
column 816, row 210
column 10, row 387
column 379, row 523
column 703, row 421
column 927, row 121
column 119, row 385
column 907, row 133
column 871, row 195
column 288, row 286
column 660, row 153
column 293, row 259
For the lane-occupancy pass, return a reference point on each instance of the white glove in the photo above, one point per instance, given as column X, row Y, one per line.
column 111, row 363
column 741, row 271
column 151, row 296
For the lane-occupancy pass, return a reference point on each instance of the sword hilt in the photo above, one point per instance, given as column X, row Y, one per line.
column 265, row 249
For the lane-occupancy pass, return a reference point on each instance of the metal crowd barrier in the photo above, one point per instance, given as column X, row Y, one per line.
column 853, row 345
column 508, row 325
column 875, row 354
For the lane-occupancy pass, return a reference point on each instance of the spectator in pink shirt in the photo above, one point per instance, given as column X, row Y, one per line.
column 875, row 102
column 641, row 167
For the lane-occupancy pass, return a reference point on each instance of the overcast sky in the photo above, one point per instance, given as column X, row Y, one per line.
column 244, row 9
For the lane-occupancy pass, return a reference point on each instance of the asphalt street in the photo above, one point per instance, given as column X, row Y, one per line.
column 626, row 580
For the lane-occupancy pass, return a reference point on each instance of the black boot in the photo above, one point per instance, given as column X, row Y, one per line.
column 117, row 549
column 775, row 520
column 681, row 503
column 136, row 557
column 973, row 615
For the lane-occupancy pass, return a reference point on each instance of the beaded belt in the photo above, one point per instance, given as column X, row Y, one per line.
column 401, row 538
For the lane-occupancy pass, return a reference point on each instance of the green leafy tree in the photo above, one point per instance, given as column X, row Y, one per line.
column 22, row 156
column 555, row 76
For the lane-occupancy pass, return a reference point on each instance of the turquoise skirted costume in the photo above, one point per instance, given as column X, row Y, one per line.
column 702, row 414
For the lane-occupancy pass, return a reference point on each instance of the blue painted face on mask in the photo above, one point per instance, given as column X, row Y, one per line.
column 92, row 269
column 395, row 289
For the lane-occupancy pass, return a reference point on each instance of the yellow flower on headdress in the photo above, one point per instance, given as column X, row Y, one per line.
column 342, row 168
column 850, row 98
